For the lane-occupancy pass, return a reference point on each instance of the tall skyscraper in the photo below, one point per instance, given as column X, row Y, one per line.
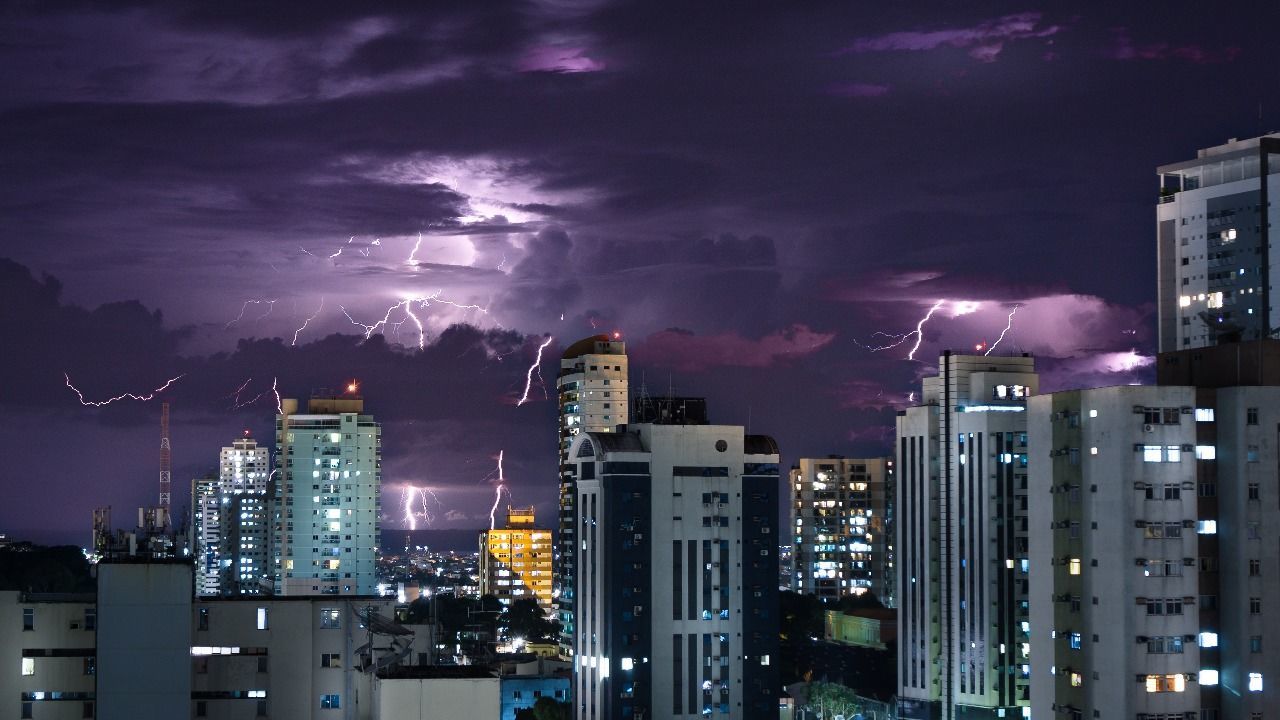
column 961, row 542
column 592, row 387
column 841, row 517
column 326, row 497
column 1215, row 264
column 229, row 528
column 515, row 560
column 1155, row 552
column 676, row 584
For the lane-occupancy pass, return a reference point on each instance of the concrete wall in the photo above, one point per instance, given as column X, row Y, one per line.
column 144, row 663
column 59, row 628
column 438, row 699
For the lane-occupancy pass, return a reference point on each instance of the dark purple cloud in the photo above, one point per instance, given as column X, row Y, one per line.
column 983, row 40
column 496, row 173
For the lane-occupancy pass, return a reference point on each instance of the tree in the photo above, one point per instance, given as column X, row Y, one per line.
column 832, row 699
column 524, row 618
column 548, row 709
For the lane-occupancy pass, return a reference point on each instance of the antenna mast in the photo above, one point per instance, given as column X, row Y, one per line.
column 166, row 463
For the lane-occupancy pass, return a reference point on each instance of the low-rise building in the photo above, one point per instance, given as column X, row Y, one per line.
column 49, row 655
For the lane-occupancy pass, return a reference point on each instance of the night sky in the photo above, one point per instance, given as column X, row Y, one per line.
column 748, row 192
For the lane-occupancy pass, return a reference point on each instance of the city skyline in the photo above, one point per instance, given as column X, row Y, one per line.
column 748, row 212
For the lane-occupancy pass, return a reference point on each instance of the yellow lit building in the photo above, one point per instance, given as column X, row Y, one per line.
column 515, row 561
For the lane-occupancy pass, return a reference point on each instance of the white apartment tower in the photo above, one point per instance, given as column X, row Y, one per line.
column 676, row 584
column 1114, row 547
column 592, row 390
column 961, row 541
column 1214, row 244
column 229, row 529
column 1156, row 544
column 326, row 498
column 842, row 520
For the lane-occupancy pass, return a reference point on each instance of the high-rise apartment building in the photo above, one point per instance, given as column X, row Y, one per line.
column 1155, row 544
column 842, row 520
column 676, row 580
column 592, row 390
column 229, row 522
column 326, row 498
column 1215, row 263
column 515, row 560
column 961, row 541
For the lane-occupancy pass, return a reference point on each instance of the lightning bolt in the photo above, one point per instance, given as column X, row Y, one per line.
column 407, row 306
column 411, row 261
column 413, row 510
column 275, row 389
column 271, row 305
column 1006, row 329
column 128, row 396
column 307, row 251
column 497, row 492
column 898, row 340
column 343, row 247
column 535, row 367
column 239, row 390
column 306, row 322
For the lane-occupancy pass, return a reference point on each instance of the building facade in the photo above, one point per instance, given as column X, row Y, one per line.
column 230, row 524
column 49, row 643
column 326, row 498
column 515, row 560
column 676, row 583
column 962, row 541
column 1214, row 244
column 1158, row 547
column 842, row 520
column 592, row 392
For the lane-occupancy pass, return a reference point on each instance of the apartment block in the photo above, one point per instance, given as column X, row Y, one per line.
column 842, row 521
column 515, row 560
column 962, row 541
column 676, row 583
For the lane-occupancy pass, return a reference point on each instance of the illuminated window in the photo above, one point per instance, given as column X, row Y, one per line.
column 1208, row 677
column 28, row 666
column 262, row 618
column 1204, row 414
column 1255, row 682
column 1152, row 453
column 1073, row 566
column 1206, row 452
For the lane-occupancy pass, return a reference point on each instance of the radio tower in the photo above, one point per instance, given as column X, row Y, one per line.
column 166, row 464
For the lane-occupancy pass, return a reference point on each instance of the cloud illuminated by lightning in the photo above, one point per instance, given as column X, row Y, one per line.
column 1006, row 329
column 271, row 305
column 306, row 322
column 535, row 367
column 406, row 306
column 125, row 396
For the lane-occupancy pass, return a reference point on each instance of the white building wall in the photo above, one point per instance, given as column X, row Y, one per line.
column 676, row 511
column 438, row 699
column 327, row 499
column 961, row 540
column 1095, row 538
column 1249, row 547
column 58, row 652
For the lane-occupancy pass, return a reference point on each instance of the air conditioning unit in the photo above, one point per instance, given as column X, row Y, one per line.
column 1148, row 427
